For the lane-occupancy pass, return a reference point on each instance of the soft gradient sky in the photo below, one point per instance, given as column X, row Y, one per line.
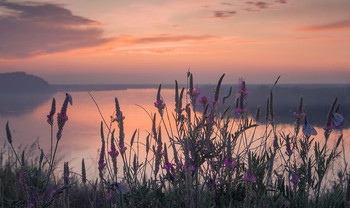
column 156, row 41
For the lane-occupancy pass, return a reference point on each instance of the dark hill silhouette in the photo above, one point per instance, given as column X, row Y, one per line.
column 21, row 93
column 20, row 82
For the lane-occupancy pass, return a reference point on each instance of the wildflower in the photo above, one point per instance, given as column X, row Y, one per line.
column 83, row 171
column 159, row 102
column 241, row 101
column 193, row 93
column 113, row 153
column 203, row 100
column 299, row 116
column 52, row 112
column 62, row 117
column 249, row 176
column 289, row 151
column 188, row 167
column 294, row 179
column 242, row 87
column 101, row 162
column 158, row 152
column 119, row 119
column 229, row 163
column 217, row 90
column 66, row 174
column 169, row 167
column 334, row 119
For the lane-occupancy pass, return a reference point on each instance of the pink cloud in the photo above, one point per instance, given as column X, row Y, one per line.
column 34, row 29
column 338, row 25
column 260, row 4
column 222, row 14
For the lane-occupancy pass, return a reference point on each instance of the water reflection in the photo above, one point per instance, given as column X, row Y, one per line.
column 317, row 100
column 16, row 104
column 81, row 135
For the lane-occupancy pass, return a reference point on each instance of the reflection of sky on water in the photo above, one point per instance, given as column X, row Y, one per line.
column 81, row 135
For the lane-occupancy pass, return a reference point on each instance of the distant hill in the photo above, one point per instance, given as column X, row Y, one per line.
column 21, row 92
column 20, row 82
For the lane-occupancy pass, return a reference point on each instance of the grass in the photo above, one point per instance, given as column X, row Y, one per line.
column 196, row 156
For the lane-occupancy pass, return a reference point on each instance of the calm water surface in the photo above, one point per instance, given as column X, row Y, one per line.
column 81, row 135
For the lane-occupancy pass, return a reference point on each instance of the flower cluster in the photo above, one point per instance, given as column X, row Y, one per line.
column 241, row 101
column 204, row 101
column 52, row 112
column 294, row 179
column 101, row 162
column 160, row 105
column 249, row 176
column 193, row 93
column 230, row 163
column 62, row 117
column 120, row 120
column 114, row 152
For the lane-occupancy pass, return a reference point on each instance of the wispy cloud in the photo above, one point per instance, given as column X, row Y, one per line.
column 282, row 1
column 228, row 4
column 222, row 14
column 169, row 44
column 260, row 4
column 338, row 25
column 32, row 29
column 163, row 38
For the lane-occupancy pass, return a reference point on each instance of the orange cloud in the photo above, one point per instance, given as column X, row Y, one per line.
column 338, row 25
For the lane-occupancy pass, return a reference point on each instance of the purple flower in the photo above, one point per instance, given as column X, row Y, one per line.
column 52, row 112
column 241, row 101
column 159, row 104
column 119, row 118
column 169, row 167
column 294, row 179
column 101, row 162
column 289, row 151
column 193, row 93
column 328, row 127
column 188, row 168
column 62, row 117
column 203, row 100
column 229, row 163
column 113, row 153
column 249, row 176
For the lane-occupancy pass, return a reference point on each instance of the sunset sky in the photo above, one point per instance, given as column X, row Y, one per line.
column 156, row 41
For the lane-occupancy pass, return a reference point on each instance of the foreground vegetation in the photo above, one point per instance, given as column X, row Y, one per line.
column 196, row 156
